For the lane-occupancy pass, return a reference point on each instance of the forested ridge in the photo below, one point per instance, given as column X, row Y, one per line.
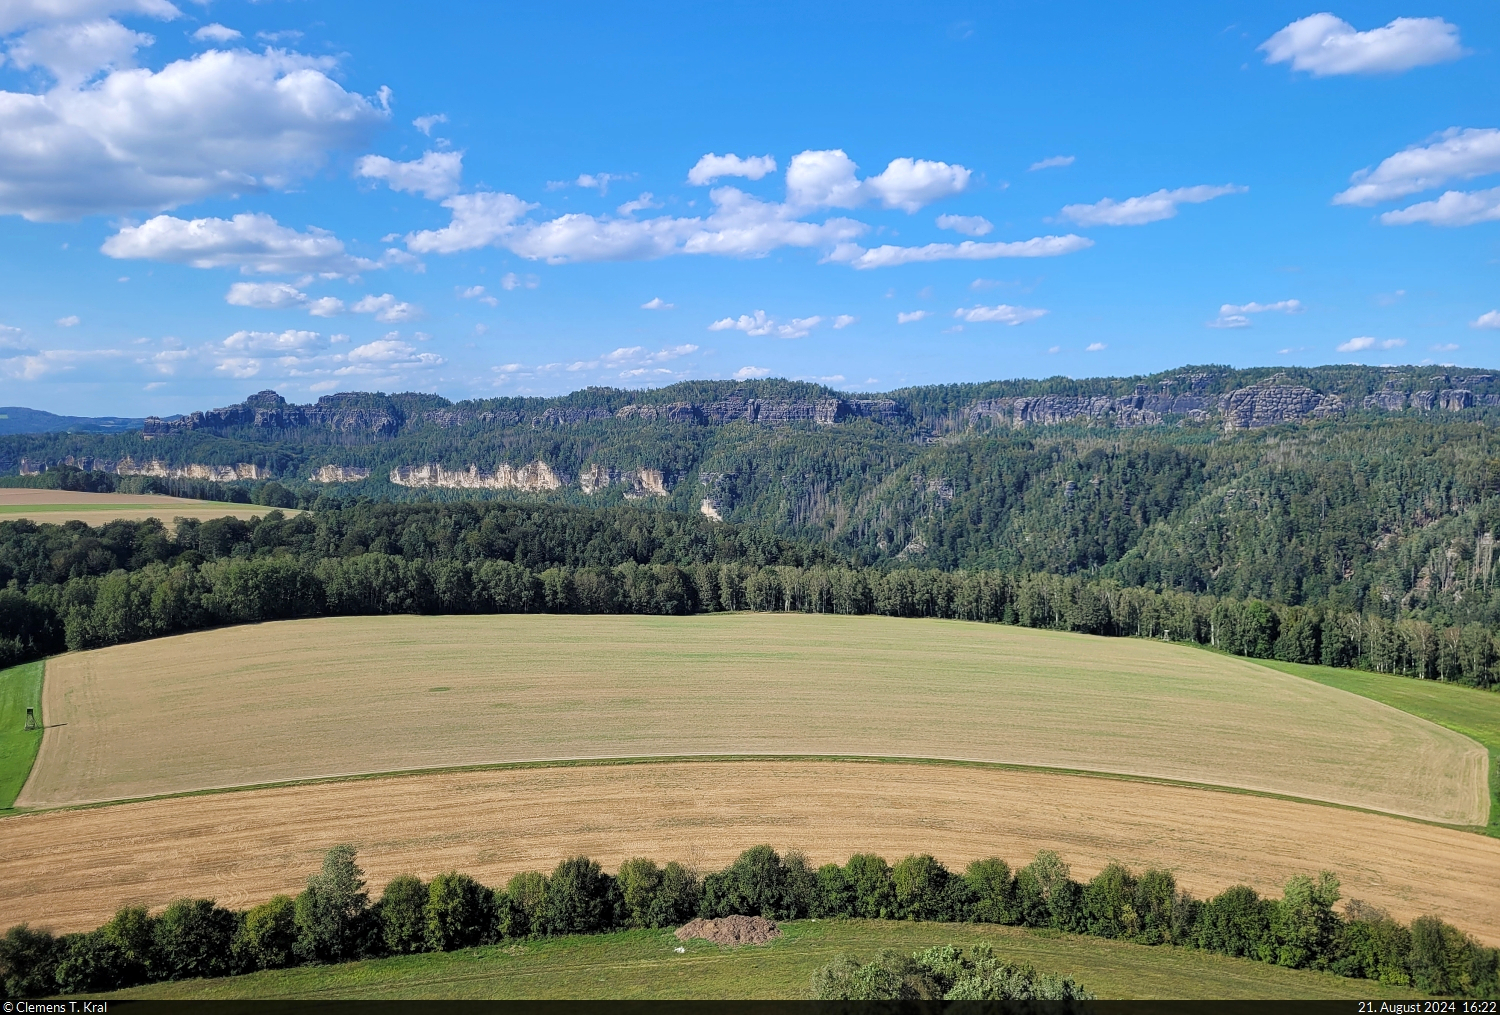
column 1374, row 511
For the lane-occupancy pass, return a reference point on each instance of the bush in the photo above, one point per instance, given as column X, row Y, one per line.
column 28, row 962
column 580, row 899
column 267, row 938
column 332, row 914
column 919, row 885
column 835, row 895
column 193, row 938
column 869, row 878
column 521, row 908
column 460, row 913
column 90, row 962
column 657, row 896
column 754, row 885
column 402, row 914
column 944, row 973
column 994, row 891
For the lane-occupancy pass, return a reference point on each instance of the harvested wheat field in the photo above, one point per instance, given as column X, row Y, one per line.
column 241, row 848
column 53, row 507
column 319, row 698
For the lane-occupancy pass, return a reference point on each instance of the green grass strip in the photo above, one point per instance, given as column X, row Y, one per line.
column 1467, row 710
column 20, row 688
column 646, row 965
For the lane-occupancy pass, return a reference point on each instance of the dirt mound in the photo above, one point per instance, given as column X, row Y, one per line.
column 731, row 930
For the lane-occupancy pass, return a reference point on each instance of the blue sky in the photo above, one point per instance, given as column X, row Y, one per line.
column 199, row 200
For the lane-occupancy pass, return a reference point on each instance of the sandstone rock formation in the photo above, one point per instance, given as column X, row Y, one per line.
column 638, row 483
column 339, row 474
column 128, row 466
column 1268, row 404
column 533, row 478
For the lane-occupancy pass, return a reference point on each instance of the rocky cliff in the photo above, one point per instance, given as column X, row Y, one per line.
column 533, row 478
column 154, row 467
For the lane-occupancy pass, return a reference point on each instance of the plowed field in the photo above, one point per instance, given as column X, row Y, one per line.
column 71, row 868
column 317, row 698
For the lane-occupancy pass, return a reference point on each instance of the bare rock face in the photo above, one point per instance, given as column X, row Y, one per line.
column 1454, row 399
column 217, row 473
column 567, row 417
column 638, row 483
column 1045, row 409
column 340, row 474
column 128, row 466
column 266, row 410
column 448, row 418
column 1387, row 401
column 533, row 478
column 1268, row 404
column 710, row 509
column 672, row 412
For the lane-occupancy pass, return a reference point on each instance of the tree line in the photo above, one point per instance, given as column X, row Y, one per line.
column 73, row 587
column 335, row 920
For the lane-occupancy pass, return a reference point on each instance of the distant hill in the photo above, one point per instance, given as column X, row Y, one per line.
column 18, row 419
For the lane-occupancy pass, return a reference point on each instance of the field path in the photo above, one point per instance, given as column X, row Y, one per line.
column 340, row 696
column 241, row 848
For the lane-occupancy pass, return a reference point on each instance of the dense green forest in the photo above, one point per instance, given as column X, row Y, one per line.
column 1346, row 492
column 75, row 587
column 1373, row 509
column 335, row 920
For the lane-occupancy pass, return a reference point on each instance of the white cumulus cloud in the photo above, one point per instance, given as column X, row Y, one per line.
column 253, row 242
column 71, row 321
column 435, row 175
column 1487, row 320
column 1137, row 211
column 969, row 225
column 216, row 33
column 711, row 167
column 760, row 323
column 1323, row 44
column 510, row 280
column 912, row 184
column 889, row 256
column 750, row 373
column 16, row 14
column 476, row 292
column 910, row 317
column 1365, row 342
column 280, row 296
column 218, row 123
column 387, row 308
column 827, row 179
column 1235, row 315
column 1055, row 162
column 1453, row 208
column 843, row 321
column 657, row 303
column 426, row 123
column 1096, row 347
column 1001, row 314
column 1456, row 154
column 73, row 53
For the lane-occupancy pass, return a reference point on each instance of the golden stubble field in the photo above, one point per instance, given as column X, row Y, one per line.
column 53, row 507
column 71, row 869
column 338, row 696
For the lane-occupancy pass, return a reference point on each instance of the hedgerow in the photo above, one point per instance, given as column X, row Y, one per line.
column 334, row 920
